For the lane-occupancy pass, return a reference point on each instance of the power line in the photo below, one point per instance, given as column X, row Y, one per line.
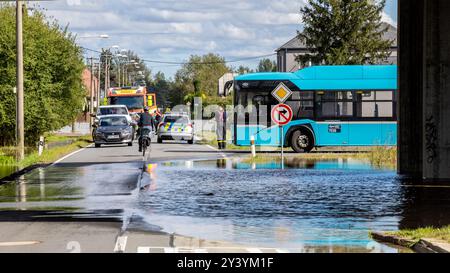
column 194, row 63
column 206, row 63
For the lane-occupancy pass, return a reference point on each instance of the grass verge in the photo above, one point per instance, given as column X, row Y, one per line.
column 442, row 234
column 48, row 155
column 210, row 138
column 382, row 157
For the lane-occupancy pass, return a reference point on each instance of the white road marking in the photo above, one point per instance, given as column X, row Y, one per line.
column 148, row 249
column 121, row 243
column 143, row 249
column 211, row 147
column 23, row 243
column 217, row 150
column 71, row 154
column 254, row 250
column 170, row 250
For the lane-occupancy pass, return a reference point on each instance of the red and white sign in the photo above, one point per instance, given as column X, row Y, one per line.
column 281, row 114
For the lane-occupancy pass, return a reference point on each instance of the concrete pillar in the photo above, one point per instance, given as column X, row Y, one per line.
column 424, row 95
column 410, row 87
column 437, row 90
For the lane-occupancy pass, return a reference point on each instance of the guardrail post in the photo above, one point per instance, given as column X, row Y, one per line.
column 41, row 145
column 252, row 142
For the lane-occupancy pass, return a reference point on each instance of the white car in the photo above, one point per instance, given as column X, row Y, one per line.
column 107, row 110
column 176, row 127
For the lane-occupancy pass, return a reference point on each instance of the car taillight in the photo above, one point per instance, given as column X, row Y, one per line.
column 190, row 125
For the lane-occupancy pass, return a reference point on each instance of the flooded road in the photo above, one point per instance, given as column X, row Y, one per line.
column 322, row 204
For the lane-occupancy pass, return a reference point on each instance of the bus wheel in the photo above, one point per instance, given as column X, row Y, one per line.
column 302, row 141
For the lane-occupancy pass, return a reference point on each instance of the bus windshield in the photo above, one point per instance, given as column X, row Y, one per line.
column 136, row 102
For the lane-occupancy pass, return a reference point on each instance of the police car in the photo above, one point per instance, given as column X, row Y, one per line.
column 176, row 126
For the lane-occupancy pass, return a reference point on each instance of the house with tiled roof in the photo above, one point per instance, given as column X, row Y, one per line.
column 287, row 53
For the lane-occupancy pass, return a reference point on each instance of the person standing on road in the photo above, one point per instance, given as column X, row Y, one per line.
column 156, row 118
column 221, row 130
column 145, row 121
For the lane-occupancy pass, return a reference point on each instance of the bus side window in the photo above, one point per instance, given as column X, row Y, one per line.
column 371, row 104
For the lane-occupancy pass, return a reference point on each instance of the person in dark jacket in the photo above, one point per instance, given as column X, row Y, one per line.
column 145, row 121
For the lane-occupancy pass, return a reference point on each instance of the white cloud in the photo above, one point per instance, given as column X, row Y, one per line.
column 186, row 28
column 388, row 19
column 173, row 29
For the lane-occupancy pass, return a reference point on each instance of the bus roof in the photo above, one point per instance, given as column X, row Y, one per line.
column 338, row 77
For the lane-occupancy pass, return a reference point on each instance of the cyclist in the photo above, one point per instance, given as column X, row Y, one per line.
column 146, row 121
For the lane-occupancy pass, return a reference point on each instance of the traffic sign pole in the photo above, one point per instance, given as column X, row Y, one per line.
column 284, row 116
column 281, row 93
column 282, row 146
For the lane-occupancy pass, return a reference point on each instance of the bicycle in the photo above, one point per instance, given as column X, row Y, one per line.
column 145, row 139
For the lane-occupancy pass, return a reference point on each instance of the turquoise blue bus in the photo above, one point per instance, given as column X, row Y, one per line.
column 332, row 106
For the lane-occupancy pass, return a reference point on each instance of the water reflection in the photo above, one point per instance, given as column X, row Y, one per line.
column 315, row 202
column 424, row 205
column 328, row 204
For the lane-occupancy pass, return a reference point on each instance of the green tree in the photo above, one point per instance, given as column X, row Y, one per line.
column 266, row 65
column 53, row 66
column 207, row 70
column 164, row 89
column 241, row 70
column 341, row 32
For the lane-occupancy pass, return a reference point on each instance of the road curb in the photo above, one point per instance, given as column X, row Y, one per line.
column 420, row 246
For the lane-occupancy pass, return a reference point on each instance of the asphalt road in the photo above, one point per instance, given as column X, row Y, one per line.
column 107, row 171
column 169, row 150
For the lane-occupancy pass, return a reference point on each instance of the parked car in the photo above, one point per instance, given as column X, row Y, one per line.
column 114, row 129
column 107, row 110
column 176, row 127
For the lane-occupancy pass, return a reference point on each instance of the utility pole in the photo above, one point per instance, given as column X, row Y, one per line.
column 125, row 83
column 106, row 76
column 91, row 97
column 99, row 69
column 118, row 72
column 20, row 134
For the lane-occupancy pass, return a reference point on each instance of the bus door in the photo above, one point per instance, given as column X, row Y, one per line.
column 253, row 119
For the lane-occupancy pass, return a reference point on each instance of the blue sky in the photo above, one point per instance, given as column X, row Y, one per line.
column 171, row 30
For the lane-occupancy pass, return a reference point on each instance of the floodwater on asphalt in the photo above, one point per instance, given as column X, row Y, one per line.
column 329, row 205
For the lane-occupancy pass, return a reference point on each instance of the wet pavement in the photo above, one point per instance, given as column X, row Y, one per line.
column 310, row 206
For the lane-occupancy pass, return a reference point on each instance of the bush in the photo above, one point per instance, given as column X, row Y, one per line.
column 53, row 66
